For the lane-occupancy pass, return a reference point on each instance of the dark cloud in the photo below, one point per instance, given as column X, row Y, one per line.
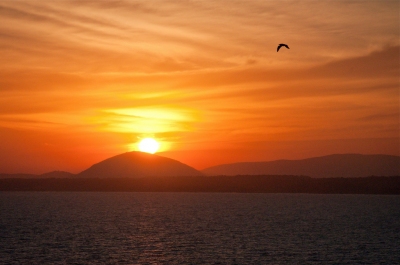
column 382, row 117
column 384, row 63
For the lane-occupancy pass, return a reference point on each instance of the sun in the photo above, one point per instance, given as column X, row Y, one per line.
column 149, row 145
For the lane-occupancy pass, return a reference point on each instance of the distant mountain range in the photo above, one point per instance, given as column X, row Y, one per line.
column 139, row 165
column 331, row 166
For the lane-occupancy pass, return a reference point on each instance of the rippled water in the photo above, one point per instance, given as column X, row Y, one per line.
column 198, row 228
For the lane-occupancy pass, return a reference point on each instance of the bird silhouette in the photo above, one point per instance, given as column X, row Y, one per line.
column 282, row 45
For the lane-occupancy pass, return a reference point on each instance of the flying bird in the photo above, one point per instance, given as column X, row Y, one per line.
column 282, row 45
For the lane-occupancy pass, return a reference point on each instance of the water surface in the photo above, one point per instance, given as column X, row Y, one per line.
column 198, row 228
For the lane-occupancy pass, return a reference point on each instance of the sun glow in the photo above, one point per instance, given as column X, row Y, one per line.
column 148, row 145
column 148, row 120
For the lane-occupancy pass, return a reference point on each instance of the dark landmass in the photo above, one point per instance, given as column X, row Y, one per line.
column 242, row 184
column 331, row 166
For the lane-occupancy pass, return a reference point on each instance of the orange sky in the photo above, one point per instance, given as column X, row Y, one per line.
column 81, row 81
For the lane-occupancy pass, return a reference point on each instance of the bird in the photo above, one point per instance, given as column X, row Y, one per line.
column 282, row 45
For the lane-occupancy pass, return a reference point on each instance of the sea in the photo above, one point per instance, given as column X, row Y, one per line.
column 198, row 228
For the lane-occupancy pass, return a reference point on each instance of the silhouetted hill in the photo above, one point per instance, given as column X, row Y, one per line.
column 331, row 166
column 56, row 174
column 136, row 165
column 53, row 174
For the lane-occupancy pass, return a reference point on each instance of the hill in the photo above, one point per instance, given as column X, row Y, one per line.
column 137, row 165
column 331, row 166
column 53, row 174
column 56, row 174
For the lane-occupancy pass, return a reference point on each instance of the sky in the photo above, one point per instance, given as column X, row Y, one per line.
column 81, row 81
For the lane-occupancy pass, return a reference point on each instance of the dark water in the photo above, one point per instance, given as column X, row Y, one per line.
column 198, row 228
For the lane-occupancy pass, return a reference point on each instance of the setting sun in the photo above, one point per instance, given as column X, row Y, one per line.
column 149, row 145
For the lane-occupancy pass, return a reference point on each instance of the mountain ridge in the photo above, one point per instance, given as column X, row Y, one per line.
column 329, row 166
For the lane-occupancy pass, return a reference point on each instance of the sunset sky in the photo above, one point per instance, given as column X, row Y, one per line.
column 81, row 81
